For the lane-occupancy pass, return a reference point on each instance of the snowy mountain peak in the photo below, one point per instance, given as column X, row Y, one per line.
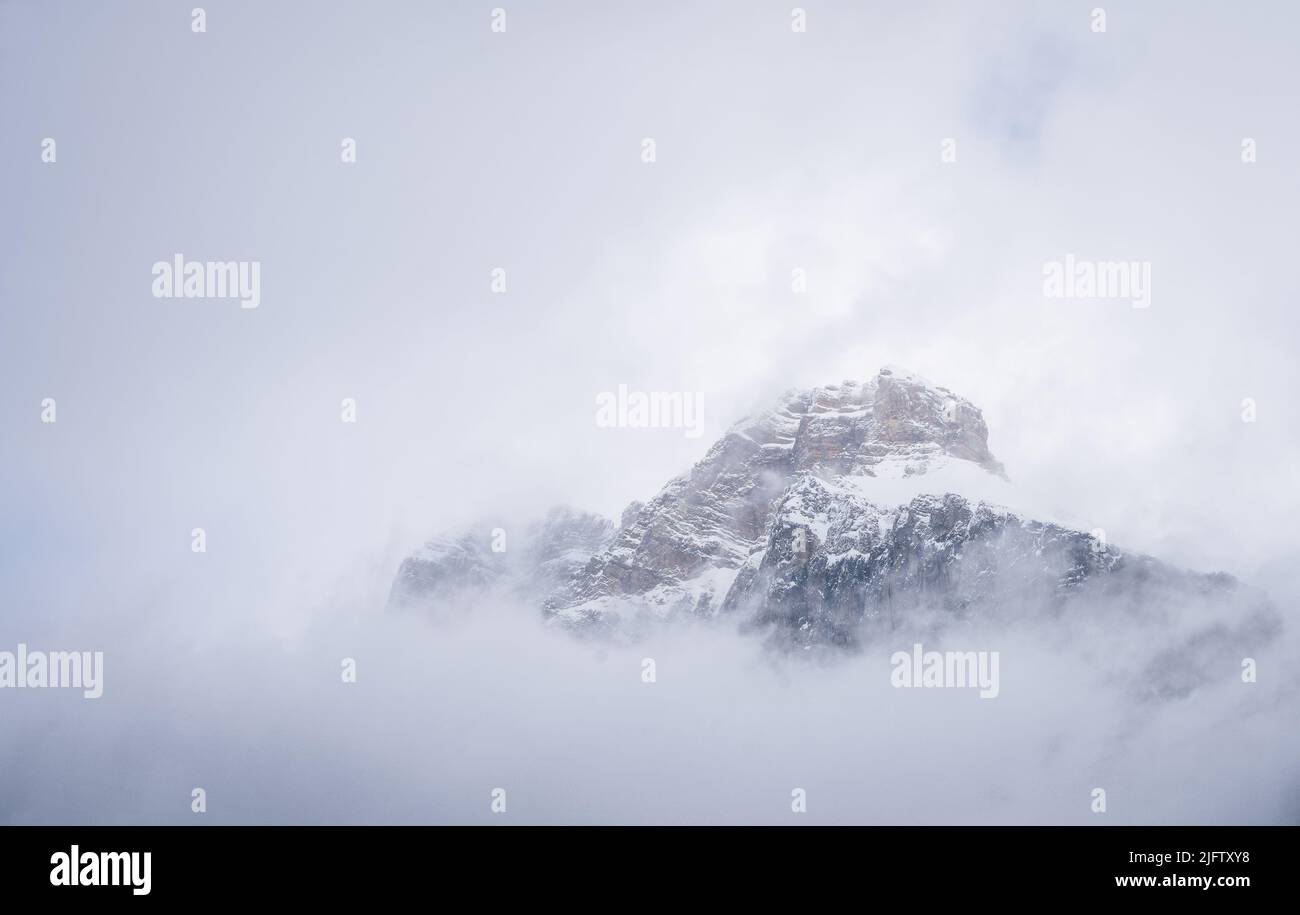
column 827, row 519
column 891, row 437
column 896, row 424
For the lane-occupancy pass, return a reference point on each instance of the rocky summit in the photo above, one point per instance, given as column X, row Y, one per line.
column 842, row 511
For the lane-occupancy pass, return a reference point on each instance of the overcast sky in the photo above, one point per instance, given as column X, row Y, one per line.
column 775, row 150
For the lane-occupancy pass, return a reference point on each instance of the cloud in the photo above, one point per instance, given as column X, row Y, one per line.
column 773, row 154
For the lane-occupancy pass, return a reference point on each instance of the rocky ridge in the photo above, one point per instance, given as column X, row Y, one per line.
column 824, row 520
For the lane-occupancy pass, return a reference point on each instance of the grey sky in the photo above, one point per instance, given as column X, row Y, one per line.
column 521, row 150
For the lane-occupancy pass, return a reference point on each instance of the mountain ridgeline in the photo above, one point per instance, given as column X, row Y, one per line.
column 832, row 519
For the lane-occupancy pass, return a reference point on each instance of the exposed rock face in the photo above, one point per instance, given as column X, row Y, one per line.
column 684, row 548
column 827, row 521
column 837, row 569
